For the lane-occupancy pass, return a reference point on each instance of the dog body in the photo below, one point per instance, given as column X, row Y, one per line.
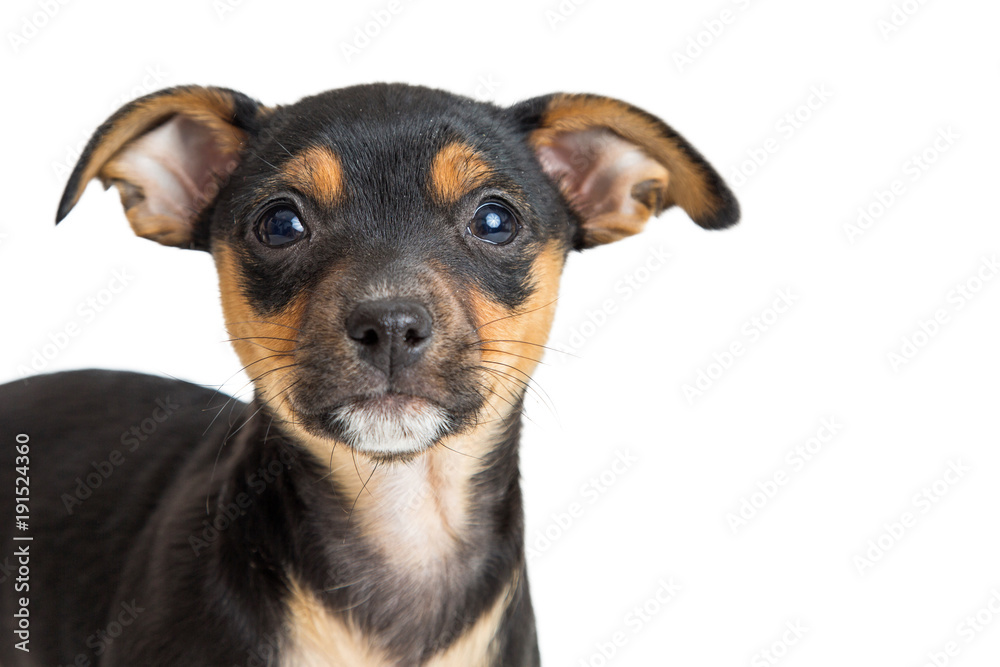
column 188, row 587
column 389, row 259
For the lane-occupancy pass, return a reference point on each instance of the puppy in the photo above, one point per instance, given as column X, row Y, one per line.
column 389, row 260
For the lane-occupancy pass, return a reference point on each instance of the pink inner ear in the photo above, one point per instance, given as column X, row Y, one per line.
column 597, row 171
column 176, row 168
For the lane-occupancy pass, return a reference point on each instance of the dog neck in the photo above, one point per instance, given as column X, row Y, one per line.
column 432, row 543
column 420, row 513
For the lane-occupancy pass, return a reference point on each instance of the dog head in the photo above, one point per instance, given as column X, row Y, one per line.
column 388, row 255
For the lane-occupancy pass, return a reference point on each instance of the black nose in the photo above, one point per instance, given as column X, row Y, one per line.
column 390, row 334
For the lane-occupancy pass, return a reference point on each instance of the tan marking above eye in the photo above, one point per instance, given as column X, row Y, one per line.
column 456, row 170
column 316, row 171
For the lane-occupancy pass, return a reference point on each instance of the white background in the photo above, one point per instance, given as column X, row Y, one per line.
column 886, row 97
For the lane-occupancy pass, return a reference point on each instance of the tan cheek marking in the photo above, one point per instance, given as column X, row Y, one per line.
column 264, row 345
column 571, row 113
column 318, row 639
column 513, row 340
column 456, row 170
column 316, row 171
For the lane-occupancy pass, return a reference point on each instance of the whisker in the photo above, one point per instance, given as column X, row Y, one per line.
column 342, row 586
column 521, row 382
column 231, row 340
column 222, row 408
column 519, row 342
column 513, row 354
column 333, row 448
column 267, row 431
column 279, row 143
column 262, row 159
column 528, row 383
column 519, row 314
column 285, row 395
column 482, row 384
column 493, row 392
column 268, row 322
column 218, row 389
column 364, row 486
column 261, row 375
column 452, row 449
column 247, row 339
column 358, row 603
column 230, row 434
column 225, row 441
column 504, row 375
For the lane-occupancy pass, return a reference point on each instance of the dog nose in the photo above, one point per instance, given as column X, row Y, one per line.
column 390, row 334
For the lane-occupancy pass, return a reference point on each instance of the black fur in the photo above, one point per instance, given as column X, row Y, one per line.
column 142, row 537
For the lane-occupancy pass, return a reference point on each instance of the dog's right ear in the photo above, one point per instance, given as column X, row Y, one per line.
column 617, row 166
column 168, row 154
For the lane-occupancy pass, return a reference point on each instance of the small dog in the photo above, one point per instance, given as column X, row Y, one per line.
column 389, row 259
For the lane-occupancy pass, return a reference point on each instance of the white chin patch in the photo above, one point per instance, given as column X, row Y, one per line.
column 392, row 429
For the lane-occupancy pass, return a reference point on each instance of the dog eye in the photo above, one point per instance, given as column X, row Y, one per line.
column 494, row 223
column 280, row 226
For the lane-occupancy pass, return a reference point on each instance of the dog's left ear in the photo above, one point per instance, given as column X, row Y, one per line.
column 617, row 166
column 168, row 153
